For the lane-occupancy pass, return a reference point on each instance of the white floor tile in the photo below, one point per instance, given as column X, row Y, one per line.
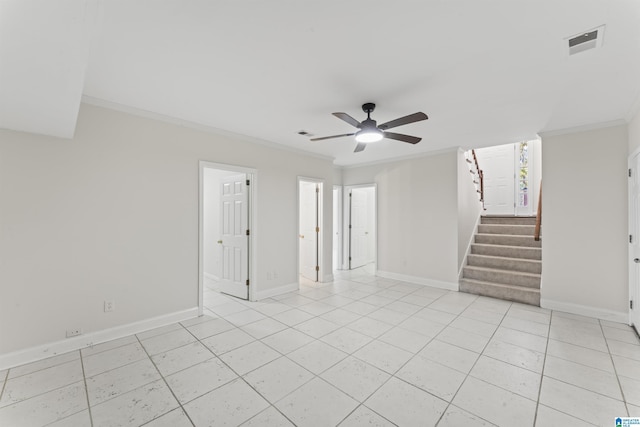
column 383, row 356
column 528, row 326
column 170, row 340
column 346, row 340
column 316, row 308
column 249, row 357
column 432, row 377
column 388, row 316
column 521, row 339
column 627, row 336
column 46, row 408
column 135, row 407
column 196, row 320
column 317, row 356
column 114, row 358
column 405, row 339
column 518, row 356
column 460, row 338
column 509, row 377
column 406, row 405
column 39, row 382
column 524, row 313
column 229, row 405
column 272, row 308
column 403, row 307
column 199, row 379
column 175, row 418
column 269, row 417
column 582, row 338
column 317, row 403
column 494, row 404
column 316, row 327
column 263, row 328
column 110, row 384
column 356, row 378
column 244, row 317
column 365, row 417
column 278, row 378
column 624, row 349
column 474, row 326
column 440, row 317
column 584, row 356
column 287, row 341
column 456, row 417
column 580, row 403
column 487, row 316
column 631, row 390
column 370, row 327
column 180, row 358
column 582, row 376
column 341, row 317
column 39, row 365
column 79, row 419
column 426, row 327
column 627, row 367
column 361, row 308
column 450, row 355
column 141, row 336
column 292, row 317
column 227, row 341
column 550, row 417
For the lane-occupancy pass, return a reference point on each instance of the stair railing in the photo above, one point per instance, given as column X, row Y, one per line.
column 480, row 181
column 536, row 234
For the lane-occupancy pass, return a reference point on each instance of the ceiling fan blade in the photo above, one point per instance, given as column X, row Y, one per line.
column 332, row 136
column 411, row 118
column 347, row 118
column 360, row 147
column 401, row 137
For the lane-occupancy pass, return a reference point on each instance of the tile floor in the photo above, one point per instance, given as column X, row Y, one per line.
column 360, row 351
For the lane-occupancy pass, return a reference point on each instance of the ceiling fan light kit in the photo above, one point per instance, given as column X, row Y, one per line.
column 371, row 132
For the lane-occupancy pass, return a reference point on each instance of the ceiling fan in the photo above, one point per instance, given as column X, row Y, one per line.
column 371, row 132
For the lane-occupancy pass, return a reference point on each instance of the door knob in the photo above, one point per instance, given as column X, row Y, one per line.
column 302, row 236
column 219, row 242
column 636, row 260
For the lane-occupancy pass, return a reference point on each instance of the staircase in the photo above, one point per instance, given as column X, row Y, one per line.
column 505, row 260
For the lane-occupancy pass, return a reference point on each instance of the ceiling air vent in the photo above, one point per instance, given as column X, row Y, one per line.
column 585, row 41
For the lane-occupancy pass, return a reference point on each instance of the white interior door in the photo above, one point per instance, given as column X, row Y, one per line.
column 361, row 227
column 234, row 236
column 498, row 164
column 308, row 232
column 634, row 245
column 337, row 228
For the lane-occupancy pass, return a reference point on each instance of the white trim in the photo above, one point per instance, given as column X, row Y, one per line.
column 582, row 128
column 33, row 354
column 471, row 241
column 196, row 126
column 321, row 223
column 451, row 286
column 328, row 278
column 268, row 293
column 583, row 310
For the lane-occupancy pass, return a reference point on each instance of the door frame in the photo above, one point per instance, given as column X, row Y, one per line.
column 338, row 226
column 346, row 239
column 634, row 285
column 321, row 225
column 252, row 198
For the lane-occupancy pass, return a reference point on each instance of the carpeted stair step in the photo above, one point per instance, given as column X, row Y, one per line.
column 504, row 277
column 504, row 263
column 515, row 220
column 508, row 239
column 514, row 229
column 505, row 292
column 507, row 251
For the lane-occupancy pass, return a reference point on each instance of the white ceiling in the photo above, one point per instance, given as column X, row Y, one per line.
column 486, row 72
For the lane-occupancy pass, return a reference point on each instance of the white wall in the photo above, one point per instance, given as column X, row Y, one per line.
column 417, row 216
column 634, row 133
column 469, row 207
column 113, row 214
column 584, row 218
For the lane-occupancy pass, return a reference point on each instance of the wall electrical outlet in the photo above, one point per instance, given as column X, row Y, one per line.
column 108, row 306
column 74, row 332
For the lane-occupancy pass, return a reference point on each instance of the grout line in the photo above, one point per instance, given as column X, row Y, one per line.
column 615, row 370
column 86, row 389
column 544, row 364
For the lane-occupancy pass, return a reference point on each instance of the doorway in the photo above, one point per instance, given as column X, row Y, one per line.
column 361, row 226
column 511, row 172
column 226, row 229
column 310, row 193
column 634, row 241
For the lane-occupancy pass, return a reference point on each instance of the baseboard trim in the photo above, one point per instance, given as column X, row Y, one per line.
column 584, row 310
column 450, row 286
column 33, row 354
column 277, row 291
column 327, row 278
